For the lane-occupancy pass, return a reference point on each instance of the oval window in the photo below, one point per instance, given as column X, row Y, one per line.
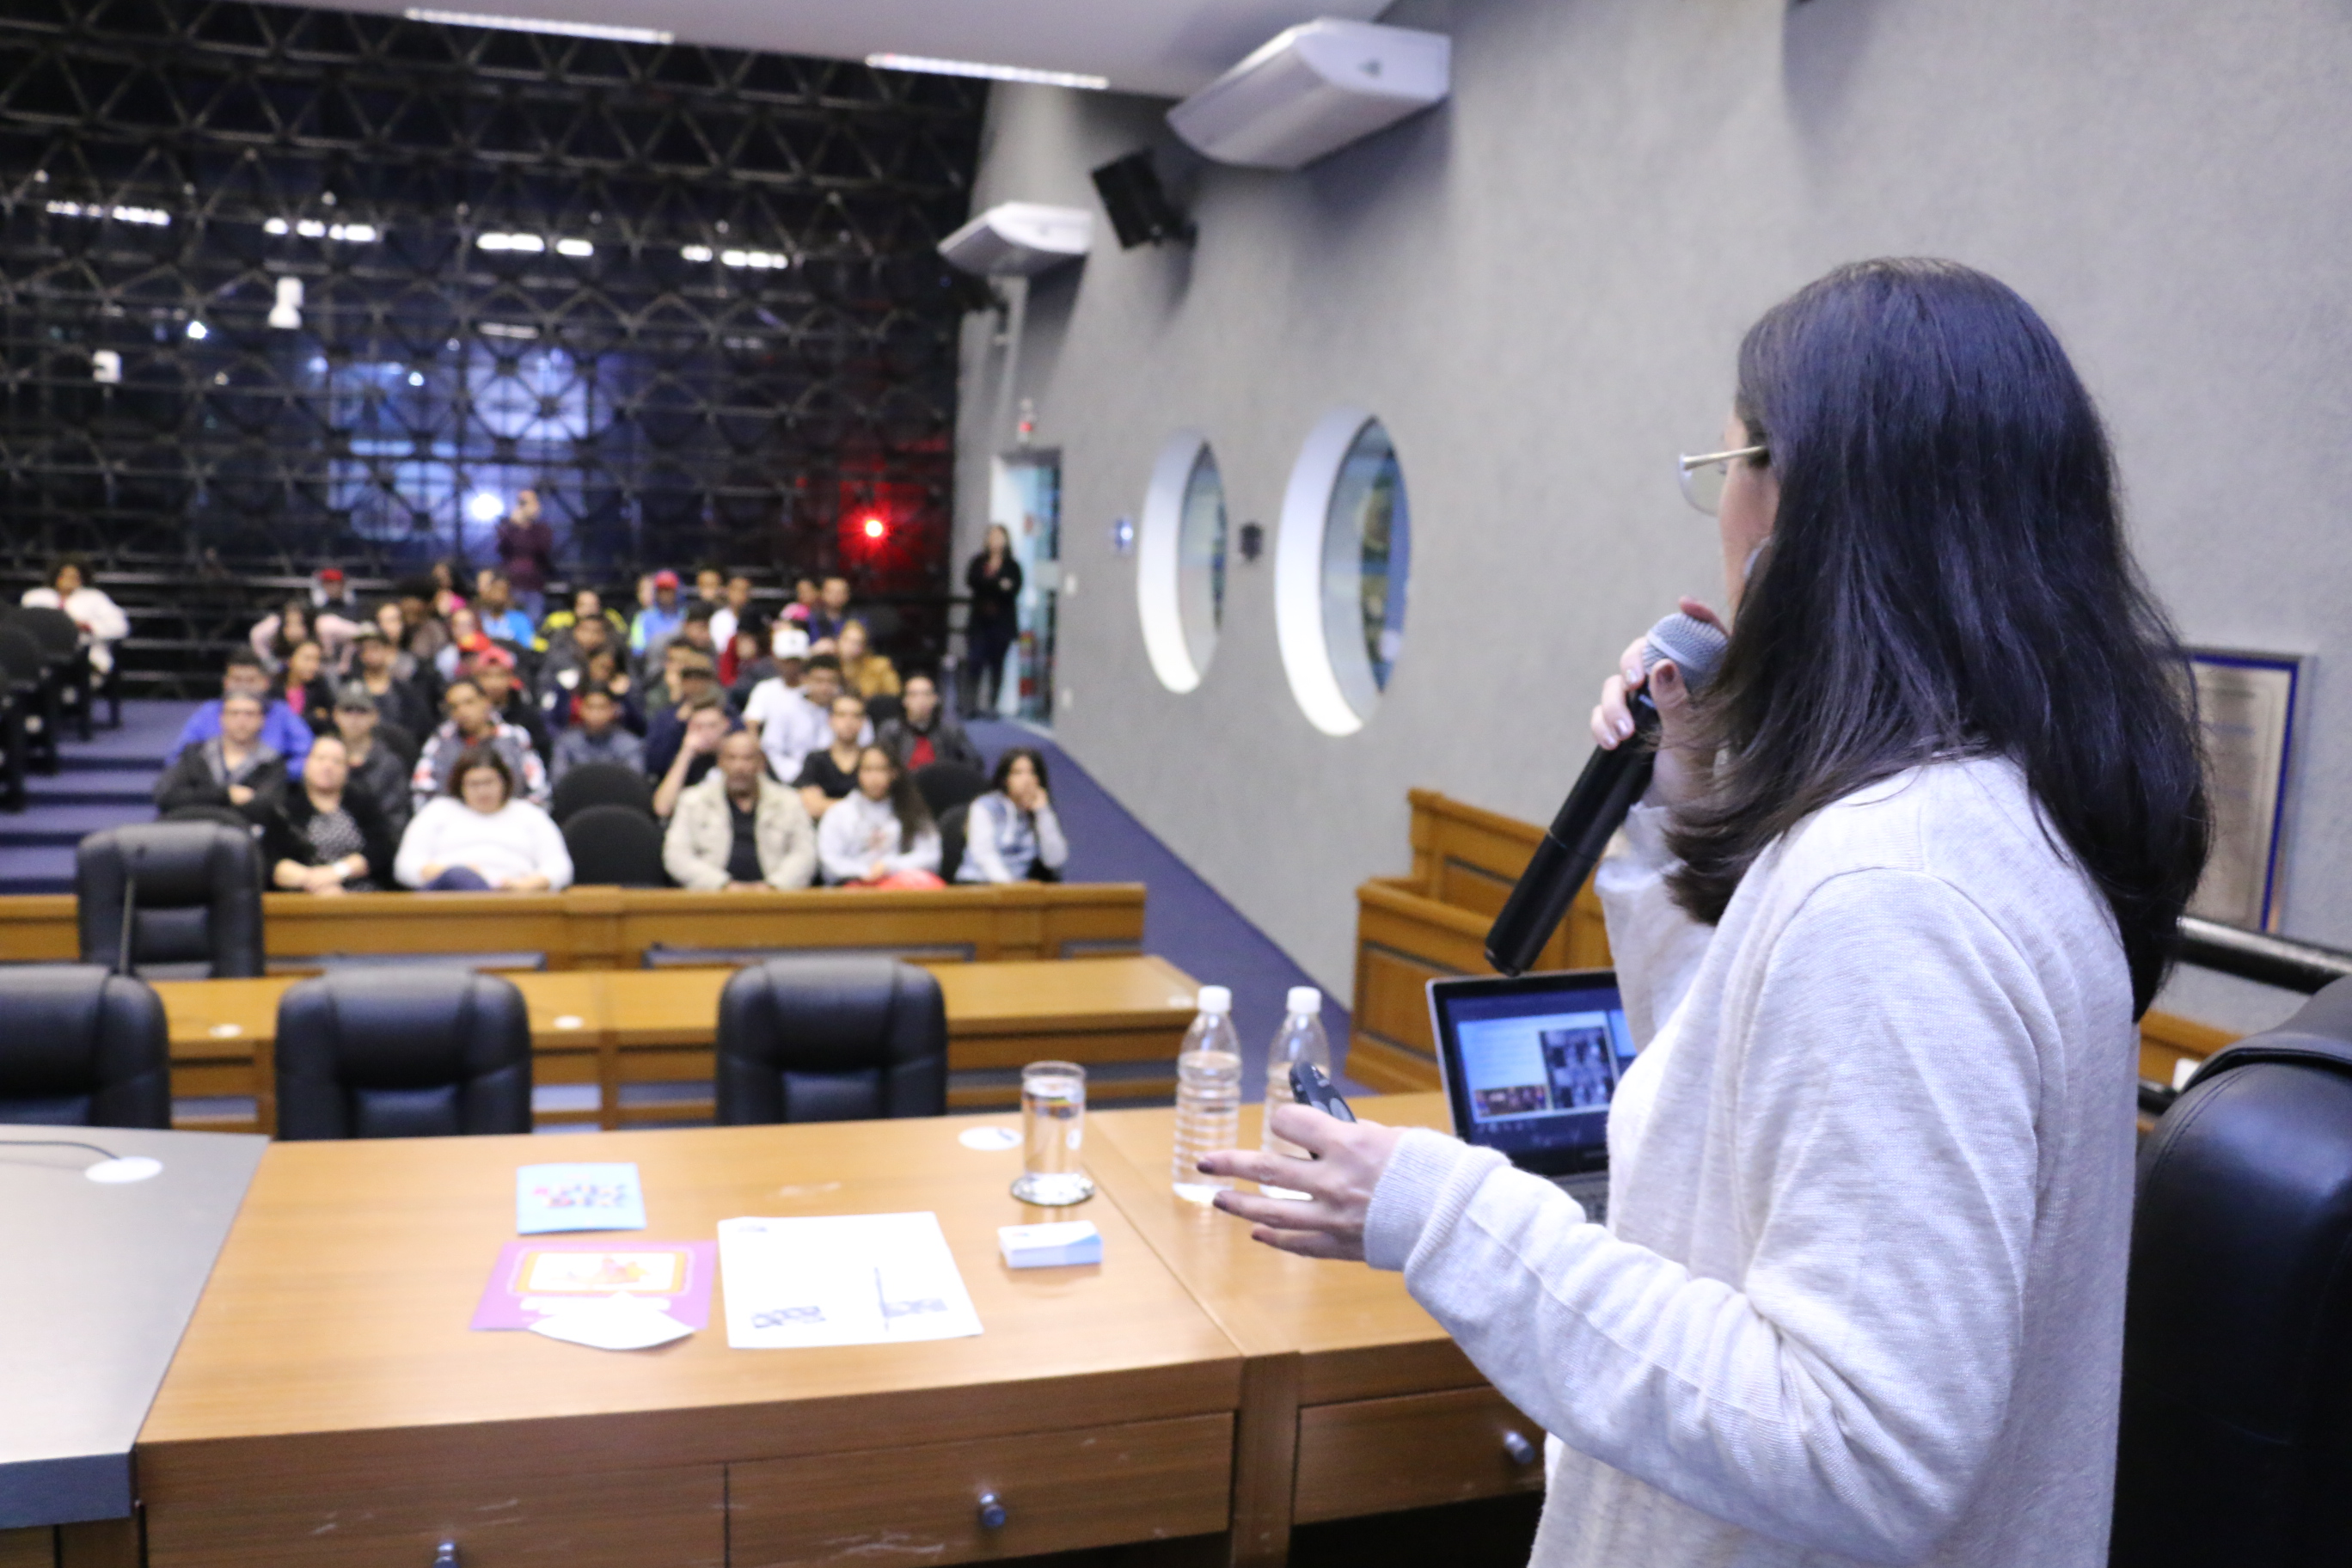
column 1340, row 570
column 1181, row 561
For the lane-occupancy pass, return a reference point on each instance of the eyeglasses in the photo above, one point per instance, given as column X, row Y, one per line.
column 1703, row 476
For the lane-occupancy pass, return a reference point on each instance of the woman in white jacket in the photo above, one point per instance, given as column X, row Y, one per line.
column 479, row 837
column 100, row 619
column 879, row 833
column 1905, row 876
column 1011, row 833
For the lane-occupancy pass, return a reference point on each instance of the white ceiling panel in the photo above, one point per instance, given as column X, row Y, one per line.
column 1167, row 48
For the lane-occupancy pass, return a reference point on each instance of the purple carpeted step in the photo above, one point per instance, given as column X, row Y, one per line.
column 47, row 869
column 129, row 788
column 69, row 824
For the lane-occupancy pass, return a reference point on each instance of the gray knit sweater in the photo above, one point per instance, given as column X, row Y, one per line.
column 1860, row 1299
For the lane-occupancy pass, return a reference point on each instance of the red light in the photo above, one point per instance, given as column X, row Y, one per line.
column 874, row 527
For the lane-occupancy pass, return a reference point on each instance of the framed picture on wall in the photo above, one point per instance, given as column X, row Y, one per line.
column 2245, row 707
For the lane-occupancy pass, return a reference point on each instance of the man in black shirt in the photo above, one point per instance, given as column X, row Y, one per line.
column 830, row 774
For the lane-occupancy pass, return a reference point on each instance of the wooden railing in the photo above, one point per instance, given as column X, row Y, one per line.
column 614, row 928
column 1412, row 930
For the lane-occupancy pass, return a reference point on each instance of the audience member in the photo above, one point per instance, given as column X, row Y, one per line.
column 274, row 636
column 375, row 669
column 806, row 595
column 526, row 547
column 694, row 631
column 303, row 686
column 280, row 728
column 926, row 732
column 466, row 639
column 480, row 835
column 657, row 622
column 502, row 620
column 831, row 612
column 739, row 829
column 235, row 766
column 375, row 770
column 471, row 727
column 98, row 617
column 1011, row 833
column 863, row 671
column 331, row 594
column 325, row 835
column 734, row 610
column 587, row 604
column 562, row 672
column 494, row 673
column 696, row 680
column 709, row 586
column 598, row 737
column 744, row 660
column 703, row 726
column 794, row 721
column 606, row 668
column 428, row 633
column 829, row 774
column 881, row 833
column 446, row 576
column 392, row 625
column 993, row 579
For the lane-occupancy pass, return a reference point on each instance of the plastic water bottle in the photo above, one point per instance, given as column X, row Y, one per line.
column 1208, row 1095
column 1300, row 1039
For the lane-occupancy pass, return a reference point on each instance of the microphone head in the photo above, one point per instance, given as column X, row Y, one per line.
column 1696, row 647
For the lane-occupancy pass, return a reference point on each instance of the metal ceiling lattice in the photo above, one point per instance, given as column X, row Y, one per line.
column 691, row 293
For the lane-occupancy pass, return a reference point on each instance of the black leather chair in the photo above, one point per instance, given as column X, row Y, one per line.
column 82, row 1048
column 952, row 822
column 600, row 783
column 831, row 1039
column 193, row 892
column 404, row 1053
column 616, row 845
column 35, row 688
column 944, row 786
column 2236, row 1440
column 68, row 661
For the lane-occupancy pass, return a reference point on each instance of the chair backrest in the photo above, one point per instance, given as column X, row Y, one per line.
column 951, row 826
column 946, row 784
column 405, row 1053
column 193, row 890
column 2236, row 1437
column 53, row 629
column 600, row 783
column 82, row 1048
column 20, row 653
column 831, row 1039
column 616, row 845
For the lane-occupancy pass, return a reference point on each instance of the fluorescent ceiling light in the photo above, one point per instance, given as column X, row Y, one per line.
column 311, row 228
column 541, row 25
column 530, row 243
column 761, row 260
column 503, row 330
column 990, row 72
column 696, row 253
column 484, row 507
column 121, row 215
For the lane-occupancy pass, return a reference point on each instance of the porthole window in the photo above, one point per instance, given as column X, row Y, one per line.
column 1181, row 561
column 1340, row 570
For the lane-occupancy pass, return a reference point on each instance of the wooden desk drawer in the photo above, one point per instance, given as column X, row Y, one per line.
column 676, row 1519
column 1059, row 1490
column 1374, row 1455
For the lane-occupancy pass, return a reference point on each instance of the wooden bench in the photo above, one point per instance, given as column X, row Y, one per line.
column 614, row 928
column 1415, row 929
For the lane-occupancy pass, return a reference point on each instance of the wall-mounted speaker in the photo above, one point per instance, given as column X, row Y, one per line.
column 1140, row 212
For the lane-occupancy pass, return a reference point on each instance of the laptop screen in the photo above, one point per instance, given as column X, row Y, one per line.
column 1530, row 1064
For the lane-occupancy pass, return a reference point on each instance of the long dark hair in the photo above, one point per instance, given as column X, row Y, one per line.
column 906, row 802
column 1947, row 575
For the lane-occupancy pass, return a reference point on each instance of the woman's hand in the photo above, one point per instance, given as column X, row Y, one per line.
column 1676, row 778
column 529, row 882
column 1350, row 1158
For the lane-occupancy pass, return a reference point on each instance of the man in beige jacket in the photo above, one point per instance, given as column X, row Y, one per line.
column 739, row 829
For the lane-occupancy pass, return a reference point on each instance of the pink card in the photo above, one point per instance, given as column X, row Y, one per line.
column 537, row 1277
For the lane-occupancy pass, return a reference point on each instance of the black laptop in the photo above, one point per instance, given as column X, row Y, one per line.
column 1530, row 1064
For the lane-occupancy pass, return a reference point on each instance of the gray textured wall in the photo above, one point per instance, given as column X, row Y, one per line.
column 1539, row 286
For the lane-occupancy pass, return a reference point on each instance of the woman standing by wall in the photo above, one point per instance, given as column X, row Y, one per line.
column 993, row 579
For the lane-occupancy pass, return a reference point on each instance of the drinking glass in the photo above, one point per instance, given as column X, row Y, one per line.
column 1053, row 1132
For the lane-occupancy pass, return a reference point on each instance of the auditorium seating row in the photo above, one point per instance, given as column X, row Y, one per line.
column 1432, row 923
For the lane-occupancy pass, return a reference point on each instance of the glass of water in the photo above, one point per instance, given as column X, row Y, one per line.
column 1052, row 1134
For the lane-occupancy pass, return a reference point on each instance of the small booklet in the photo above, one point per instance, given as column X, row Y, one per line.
column 578, row 1197
column 539, row 1279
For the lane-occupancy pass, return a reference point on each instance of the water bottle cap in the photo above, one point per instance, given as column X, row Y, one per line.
column 1217, row 999
column 1304, row 999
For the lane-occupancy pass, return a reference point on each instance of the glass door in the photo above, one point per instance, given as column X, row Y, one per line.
column 1026, row 499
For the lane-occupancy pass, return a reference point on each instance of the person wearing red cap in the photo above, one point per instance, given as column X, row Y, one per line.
column 659, row 621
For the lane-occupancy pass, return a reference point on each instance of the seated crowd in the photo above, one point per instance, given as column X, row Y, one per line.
column 419, row 742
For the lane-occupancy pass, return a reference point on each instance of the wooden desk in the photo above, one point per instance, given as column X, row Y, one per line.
column 1122, row 1017
column 329, row 1404
column 1354, row 1400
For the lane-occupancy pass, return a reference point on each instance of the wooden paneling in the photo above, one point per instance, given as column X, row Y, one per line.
column 610, row 928
column 1376, row 1455
column 101, row 1543
column 34, row 1548
column 1060, row 1492
column 675, row 1517
column 2166, row 1039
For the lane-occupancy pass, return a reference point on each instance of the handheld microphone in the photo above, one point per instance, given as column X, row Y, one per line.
column 1611, row 782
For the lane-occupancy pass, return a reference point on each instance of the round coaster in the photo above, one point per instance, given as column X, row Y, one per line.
column 989, row 1138
column 570, row 1021
column 226, row 1031
column 130, row 1168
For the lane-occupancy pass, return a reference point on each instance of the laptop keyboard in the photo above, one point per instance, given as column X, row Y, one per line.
column 1590, row 1189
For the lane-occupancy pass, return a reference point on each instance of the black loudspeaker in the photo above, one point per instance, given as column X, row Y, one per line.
column 1140, row 212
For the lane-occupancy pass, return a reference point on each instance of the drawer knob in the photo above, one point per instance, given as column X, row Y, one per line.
column 1519, row 1449
column 446, row 1555
column 992, row 1511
